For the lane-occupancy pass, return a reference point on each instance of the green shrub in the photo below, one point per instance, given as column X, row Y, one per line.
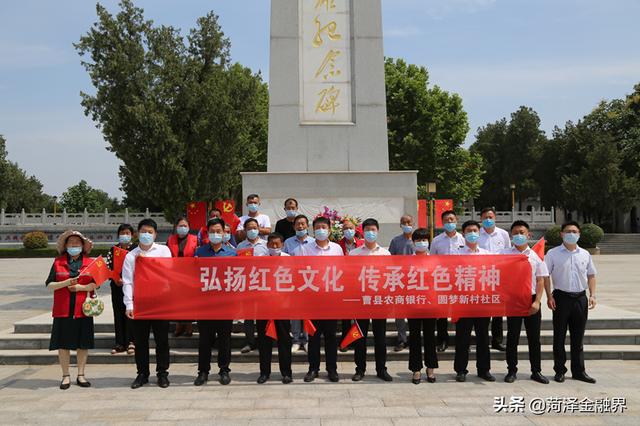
column 35, row 240
column 590, row 235
column 552, row 236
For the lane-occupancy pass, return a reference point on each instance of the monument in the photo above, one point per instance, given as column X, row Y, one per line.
column 327, row 116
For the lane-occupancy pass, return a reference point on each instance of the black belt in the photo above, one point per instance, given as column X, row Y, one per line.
column 570, row 294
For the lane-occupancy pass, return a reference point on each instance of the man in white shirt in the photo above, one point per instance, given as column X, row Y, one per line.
column 520, row 237
column 371, row 247
column 147, row 232
column 446, row 243
column 494, row 240
column 264, row 223
column 471, row 232
column 572, row 273
column 327, row 328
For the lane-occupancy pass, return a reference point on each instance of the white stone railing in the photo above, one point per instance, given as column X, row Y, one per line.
column 533, row 217
column 77, row 219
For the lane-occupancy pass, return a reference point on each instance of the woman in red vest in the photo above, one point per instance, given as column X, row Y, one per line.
column 71, row 330
column 182, row 244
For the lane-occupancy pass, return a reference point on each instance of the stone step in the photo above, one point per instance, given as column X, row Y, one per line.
column 102, row 356
column 105, row 340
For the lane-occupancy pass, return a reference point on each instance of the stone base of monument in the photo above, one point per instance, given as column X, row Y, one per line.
column 385, row 196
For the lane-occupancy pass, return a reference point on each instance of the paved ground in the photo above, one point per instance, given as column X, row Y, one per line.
column 29, row 394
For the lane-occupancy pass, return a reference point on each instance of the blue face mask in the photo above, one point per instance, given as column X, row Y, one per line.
column 407, row 229
column 124, row 239
column 301, row 233
column 74, row 251
column 488, row 223
column 321, row 234
column 450, row 227
column 252, row 234
column 215, row 238
column 291, row 213
column 472, row 237
column 519, row 240
column 421, row 246
column 146, row 238
column 182, row 231
column 370, row 236
column 253, row 207
column 349, row 234
column 571, row 238
column 275, row 251
column 226, row 238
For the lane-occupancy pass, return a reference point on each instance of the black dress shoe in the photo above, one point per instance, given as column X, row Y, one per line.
column 140, row 381
column 400, row 347
column 584, row 378
column 224, row 378
column 310, row 376
column 538, row 377
column 357, row 377
column 286, row 380
column 431, row 379
column 163, row 380
column 510, row 377
column 559, row 377
column 498, row 346
column 461, row 377
column 487, row 376
column 333, row 376
column 442, row 347
column 263, row 379
column 85, row 384
column 201, row 379
column 63, row 385
column 385, row 376
column 416, row 378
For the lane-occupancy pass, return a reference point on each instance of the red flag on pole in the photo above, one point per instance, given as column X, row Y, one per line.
column 197, row 214
column 270, row 330
column 309, row 327
column 440, row 207
column 538, row 248
column 228, row 210
column 354, row 334
column 118, row 261
column 97, row 270
column 423, row 212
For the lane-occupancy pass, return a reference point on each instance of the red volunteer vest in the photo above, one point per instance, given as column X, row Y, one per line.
column 189, row 248
column 62, row 296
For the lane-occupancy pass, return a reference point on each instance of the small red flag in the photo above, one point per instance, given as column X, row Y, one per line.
column 97, row 270
column 118, row 261
column 270, row 330
column 245, row 251
column 197, row 214
column 354, row 334
column 538, row 248
column 228, row 210
column 309, row 327
column 441, row 206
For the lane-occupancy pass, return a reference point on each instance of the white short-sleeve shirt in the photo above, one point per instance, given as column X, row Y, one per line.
column 495, row 242
column 569, row 270
column 538, row 267
column 443, row 244
column 263, row 222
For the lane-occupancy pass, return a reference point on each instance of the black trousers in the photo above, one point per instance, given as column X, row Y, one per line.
column 443, row 332
column 345, row 325
column 326, row 328
column 425, row 328
column 209, row 330
column 249, row 327
column 463, row 341
column 497, row 334
column 141, row 330
column 379, row 327
column 572, row 312
column 121, row 323
column 265, row 347
column 532, row 327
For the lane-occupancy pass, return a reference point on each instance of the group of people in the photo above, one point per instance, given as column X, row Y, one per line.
column 566, row 276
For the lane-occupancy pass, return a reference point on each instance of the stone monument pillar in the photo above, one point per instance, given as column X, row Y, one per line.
column 327, row 115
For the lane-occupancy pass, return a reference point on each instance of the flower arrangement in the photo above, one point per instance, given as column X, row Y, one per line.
column 336, row 222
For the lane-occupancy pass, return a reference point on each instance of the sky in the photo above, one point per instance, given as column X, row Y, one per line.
column 560, row 57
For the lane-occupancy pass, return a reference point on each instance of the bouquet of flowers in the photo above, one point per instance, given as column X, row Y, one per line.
column 336, row 222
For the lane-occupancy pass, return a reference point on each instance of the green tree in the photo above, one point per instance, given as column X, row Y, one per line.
column 17, row 189
column 511, row 151
column 427, row 127
column 180, row 116
column 82, row 196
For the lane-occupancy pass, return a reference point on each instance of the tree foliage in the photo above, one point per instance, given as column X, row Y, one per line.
column 82, row 196
column 181, row 117
column 427, row 127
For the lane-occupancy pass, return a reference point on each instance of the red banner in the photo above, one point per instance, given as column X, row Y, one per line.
column 332, row 287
